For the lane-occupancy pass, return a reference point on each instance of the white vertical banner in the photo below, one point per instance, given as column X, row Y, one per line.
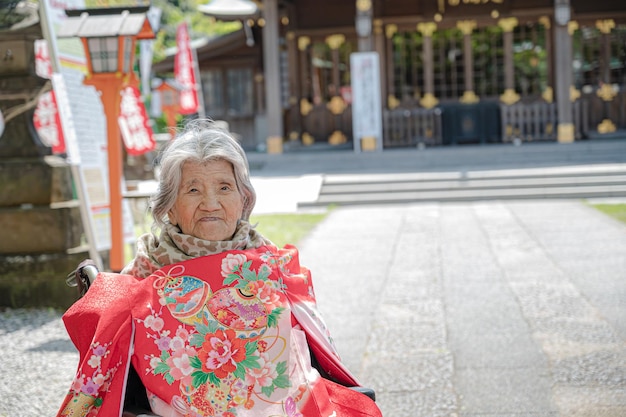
column 367, row 119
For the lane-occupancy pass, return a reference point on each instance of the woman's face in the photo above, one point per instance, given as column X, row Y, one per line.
column 208, row 205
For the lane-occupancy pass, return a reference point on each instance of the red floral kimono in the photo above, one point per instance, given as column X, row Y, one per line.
column 220, row 335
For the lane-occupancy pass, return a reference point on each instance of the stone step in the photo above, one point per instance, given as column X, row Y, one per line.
column 470, row 184
column 541, row 183
column 579, row 192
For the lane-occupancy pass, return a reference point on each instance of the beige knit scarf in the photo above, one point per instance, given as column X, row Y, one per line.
column 174, row 246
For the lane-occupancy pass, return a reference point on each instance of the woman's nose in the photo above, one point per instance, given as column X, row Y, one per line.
column 210, row 201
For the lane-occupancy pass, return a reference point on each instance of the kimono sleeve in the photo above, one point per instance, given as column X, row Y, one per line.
column 101, row 327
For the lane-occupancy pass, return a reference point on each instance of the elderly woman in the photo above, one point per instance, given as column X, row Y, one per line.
column 211, row 317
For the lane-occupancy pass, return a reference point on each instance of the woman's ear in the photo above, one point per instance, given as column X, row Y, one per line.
column 172, row 218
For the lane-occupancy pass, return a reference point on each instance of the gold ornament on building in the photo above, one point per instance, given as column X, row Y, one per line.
column 606, row 92
column 572, row 26
column 565, row 132
column 509, row 97
column 545, row 21
column 378, row 26
column 337, row 138
column 391, row 30
column 293, row 136
column 291, row 36
column 305, row 107
column 548, row 95
column 427, row 28
column 469, row 97
column 607, row 126
column 507, row 24
column 429, row 101
column 335, row 41
column 466, row 26
column 307, row 139
column 392, row 102
column 605, row 26
column 574, row 94
column 336, row 105
column 303, row 42
column 363, row 5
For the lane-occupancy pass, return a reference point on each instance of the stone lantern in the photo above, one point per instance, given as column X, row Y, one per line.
column 40, row 221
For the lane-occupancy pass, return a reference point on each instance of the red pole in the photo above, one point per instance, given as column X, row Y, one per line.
column 110, row 86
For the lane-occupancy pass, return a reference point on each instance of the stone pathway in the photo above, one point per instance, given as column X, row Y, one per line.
column 478, row 309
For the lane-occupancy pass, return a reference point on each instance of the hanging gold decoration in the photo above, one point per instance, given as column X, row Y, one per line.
column 548, row 95
column 336, row 105
column 469, row 97
column 572, row 26
column 509, row 97
column 303, row 42
column 305, row 107
column 605, row 26
column 392, row 102
column 606, row 126
column 427, row 28
column 335, row 41
column 429, row 101
column 574, row 94
column 378, row 26
column 507, row 24
column 606, row 92
column 307, row 139
column 337, row 138
column 466, row 26
column 363, row 5
column 545, row 21
column 391, row 30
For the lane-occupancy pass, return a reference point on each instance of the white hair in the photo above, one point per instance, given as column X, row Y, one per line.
column 199, row 141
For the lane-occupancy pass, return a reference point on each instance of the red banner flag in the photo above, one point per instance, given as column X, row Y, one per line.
column 47, row 119
column 184, row 72
column 133, row 121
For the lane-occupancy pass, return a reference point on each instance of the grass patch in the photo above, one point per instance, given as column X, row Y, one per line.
column 617, row 211
column 286, row 228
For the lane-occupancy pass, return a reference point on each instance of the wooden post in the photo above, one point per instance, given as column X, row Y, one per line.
column 509, row 96
column 467, row 27
column 563, row 67
column 427, row 29
column 606, row 92
column 392, row 101
column 379, row 46
column 271, row 64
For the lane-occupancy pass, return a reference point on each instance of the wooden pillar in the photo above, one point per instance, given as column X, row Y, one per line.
column 563, row 67
column 363, row 23
column 392, row 101
column 306, row 87
column 548, row 93
column 427, row 29
column 336, row 105
column 467, row 27
column 606, row 92
column 379, row 46
column 271, row 59
column 294, row 87
column 509, row 96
